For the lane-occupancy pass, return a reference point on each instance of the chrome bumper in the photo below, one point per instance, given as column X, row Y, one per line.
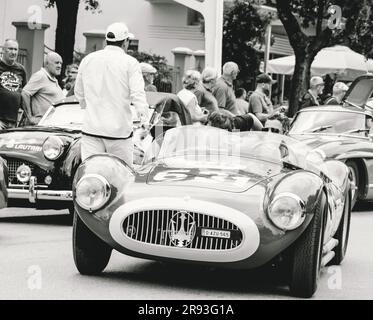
column 32, row 194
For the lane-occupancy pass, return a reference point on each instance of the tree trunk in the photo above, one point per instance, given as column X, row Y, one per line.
column 67, row 11
column 300, row 81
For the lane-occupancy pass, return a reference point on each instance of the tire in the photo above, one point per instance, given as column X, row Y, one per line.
column 354, row 177
column 91, row 254
column 307, row 254
column 342, row 234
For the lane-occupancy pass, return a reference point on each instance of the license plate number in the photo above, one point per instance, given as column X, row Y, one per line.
column 216, row 233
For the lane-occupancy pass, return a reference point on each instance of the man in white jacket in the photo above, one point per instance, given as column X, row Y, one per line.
column 108, row 82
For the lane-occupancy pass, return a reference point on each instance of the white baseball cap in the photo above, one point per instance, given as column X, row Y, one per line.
column 117, row 31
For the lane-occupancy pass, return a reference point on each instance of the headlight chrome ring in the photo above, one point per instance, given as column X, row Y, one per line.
column 287, row 211
column 53, row 148
column 92, row 192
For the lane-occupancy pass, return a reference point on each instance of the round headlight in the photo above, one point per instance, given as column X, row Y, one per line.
column 92, row 192
column 287, row 211
column 23, row 173
column 52, row 148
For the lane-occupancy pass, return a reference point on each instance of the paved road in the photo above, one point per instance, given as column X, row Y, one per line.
column 36, row 263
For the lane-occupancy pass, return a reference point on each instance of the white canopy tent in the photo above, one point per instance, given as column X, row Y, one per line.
column 345, row 63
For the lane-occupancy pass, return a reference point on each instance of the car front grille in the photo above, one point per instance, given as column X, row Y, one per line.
column 13, row 165
column 155, row 227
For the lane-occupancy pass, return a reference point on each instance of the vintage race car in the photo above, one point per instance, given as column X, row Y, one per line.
column 205, row 195
column 343, row 132
column 42, row 159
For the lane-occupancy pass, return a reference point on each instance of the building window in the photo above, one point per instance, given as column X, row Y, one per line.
column 194, row 18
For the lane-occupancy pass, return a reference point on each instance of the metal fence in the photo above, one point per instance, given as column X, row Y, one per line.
column 22, row 56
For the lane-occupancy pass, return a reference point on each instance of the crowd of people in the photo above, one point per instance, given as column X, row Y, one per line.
column 109, row 81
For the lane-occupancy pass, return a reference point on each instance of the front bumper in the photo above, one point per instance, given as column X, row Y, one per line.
column 32, row 194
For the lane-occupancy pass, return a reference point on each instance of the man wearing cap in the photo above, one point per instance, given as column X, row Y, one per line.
column 148, row 73
column 311, row 97
column 108, row 82
column 259, row 103
column 339, row 90
column 223, row 89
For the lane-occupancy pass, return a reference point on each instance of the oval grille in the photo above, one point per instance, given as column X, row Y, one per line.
column 153, row 227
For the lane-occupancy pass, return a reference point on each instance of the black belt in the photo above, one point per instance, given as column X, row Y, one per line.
column 109, row 138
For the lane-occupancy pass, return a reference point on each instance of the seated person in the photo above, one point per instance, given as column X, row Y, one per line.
column 190, row 81
column 225, row 120
column 339, row 90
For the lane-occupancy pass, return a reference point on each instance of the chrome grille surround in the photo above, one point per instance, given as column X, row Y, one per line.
column 207, row 251
column 152, row 227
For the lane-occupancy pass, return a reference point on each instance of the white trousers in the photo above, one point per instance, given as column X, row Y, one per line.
column 122, row 148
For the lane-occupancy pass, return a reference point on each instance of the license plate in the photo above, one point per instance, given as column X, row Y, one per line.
column 216, row 233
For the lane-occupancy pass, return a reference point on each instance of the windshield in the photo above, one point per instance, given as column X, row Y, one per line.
column 202, row 143
column 328, row 122
column 68, row 116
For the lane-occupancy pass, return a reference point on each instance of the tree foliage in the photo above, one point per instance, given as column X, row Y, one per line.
column 159, row 62
column 243, row 34
column 67, row 13
column 90, row 5
column 354, row 31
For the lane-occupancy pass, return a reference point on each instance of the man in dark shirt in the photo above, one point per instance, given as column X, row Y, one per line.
column 12, row 80
column 259, row 103
column 339, row 90
column 311, row 97
column 223, row 90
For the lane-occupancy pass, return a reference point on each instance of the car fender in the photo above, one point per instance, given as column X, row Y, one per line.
column 306, row 185
column 72, row 160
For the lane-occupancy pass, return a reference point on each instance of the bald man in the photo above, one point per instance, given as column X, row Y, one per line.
column 223, row 89
column 43, row 89
column 12, row 80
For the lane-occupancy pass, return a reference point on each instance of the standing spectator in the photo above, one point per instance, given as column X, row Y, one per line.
column 259, row 103
column 148, row 73
column 203, row 90
column 69, row 81
column 108, row 82
column 12, row 80
column 311, row 97
column 43, row 89
column 223, row 90
column 241, row 104
column 339, row 90
column 190, row 81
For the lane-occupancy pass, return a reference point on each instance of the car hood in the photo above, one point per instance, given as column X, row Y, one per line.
column 360, row 91
column 330, row 144
column 28, row 142
column 231, row 175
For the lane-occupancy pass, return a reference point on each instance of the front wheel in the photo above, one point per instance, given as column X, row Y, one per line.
column 307, row 254
column 354, row 179
column 342, row 234
column 91, row 254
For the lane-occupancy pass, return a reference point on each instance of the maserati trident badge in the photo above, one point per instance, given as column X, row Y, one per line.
column 182, row 229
